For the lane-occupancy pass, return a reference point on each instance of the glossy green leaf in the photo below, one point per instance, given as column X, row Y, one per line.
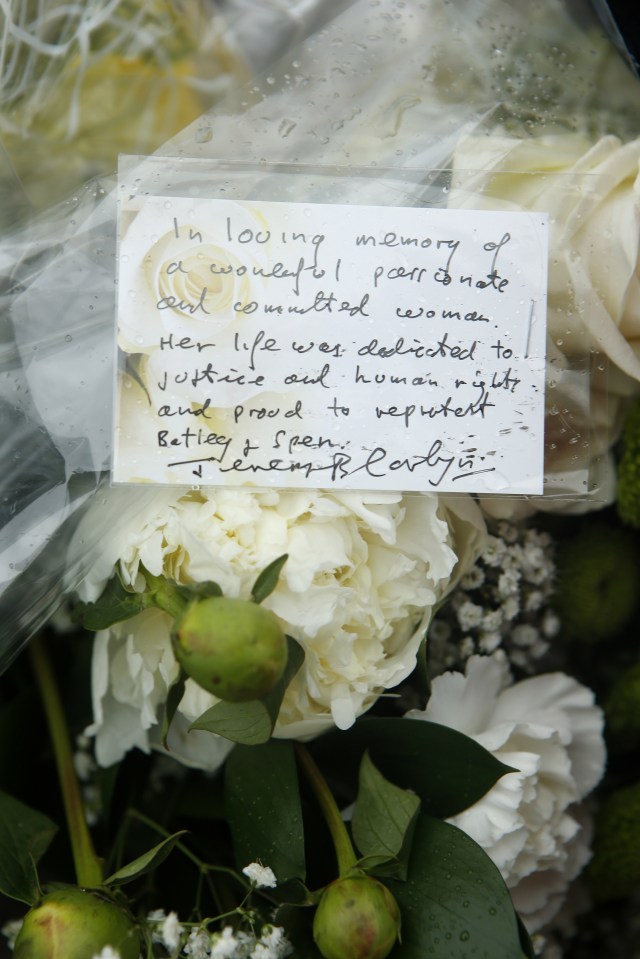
column 263, row 808
column 384, row 817
column 25, row 835
column 173, row 700
column 448, row 770
column 252, row 723
column 248, row 723
column 116, row 604
column 454, row 904
column 268, row 579
column 145, row 863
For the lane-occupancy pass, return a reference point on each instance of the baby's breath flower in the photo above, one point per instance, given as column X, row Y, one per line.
column 10, row 930
column 525, row 635
column 107, row 953
column 492, row 621
column 494, row 551
column 469, row 615
column 273, row 944
column 510, row 608
column 262, row 877
column 473, row 579
column 508, row 583
column 171, row 932
column 198, row 945
column 489, row 642
column 504, row 606
column 550, row 624
column 224, row 944
column 467, row 646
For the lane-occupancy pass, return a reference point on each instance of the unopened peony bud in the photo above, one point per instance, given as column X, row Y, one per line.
column 74, row 923
column 357, row 918
column 233, row 648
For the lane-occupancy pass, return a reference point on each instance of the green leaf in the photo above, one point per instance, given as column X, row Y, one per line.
column 249, row 723
column 384, row 818
column 145, row 863
column 252, row 723
column 454, row 904
column 263, row 808
column 268, row 579
column 25, row 835
column 116, row 604
column 202, row 590
column 448, row 770
column 174, row 698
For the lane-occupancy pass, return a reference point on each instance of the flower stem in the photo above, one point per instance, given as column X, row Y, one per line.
column 87, row 865
column 344, row 850
column 165, row 595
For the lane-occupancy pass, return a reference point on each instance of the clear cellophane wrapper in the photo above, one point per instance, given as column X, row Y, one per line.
column 489, row 104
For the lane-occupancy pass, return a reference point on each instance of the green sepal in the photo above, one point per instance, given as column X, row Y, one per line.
column 252, row 723
column 174, row 698
column 268, row 579
column 116, row 604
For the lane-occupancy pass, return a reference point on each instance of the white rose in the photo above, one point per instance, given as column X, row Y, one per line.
column 363, row 575
column 548, row 729
column 184, row 281
column 592, row 194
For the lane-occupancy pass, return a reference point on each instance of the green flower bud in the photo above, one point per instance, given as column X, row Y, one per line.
column 614, row 871
column 597, row 581
column 357, row 918
column 233, row 648
column 73, row 923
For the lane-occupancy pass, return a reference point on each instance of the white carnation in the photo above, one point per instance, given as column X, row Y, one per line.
column 548, row 729
column 363, row 574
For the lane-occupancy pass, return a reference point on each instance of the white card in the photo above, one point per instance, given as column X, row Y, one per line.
column 320, row 345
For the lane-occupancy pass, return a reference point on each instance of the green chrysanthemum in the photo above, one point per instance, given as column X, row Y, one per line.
column 614, row 871
column 597, row 583
column 628, row 491
column 622, row 709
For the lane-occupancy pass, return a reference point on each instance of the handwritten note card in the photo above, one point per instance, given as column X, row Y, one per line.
column 350, row 347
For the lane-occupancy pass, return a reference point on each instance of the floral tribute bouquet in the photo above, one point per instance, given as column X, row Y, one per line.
column 261, row 723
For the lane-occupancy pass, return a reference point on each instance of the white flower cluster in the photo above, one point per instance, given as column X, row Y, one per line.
column 363, row 575
column 503, row 601
column 198, row 943
column 548, row 729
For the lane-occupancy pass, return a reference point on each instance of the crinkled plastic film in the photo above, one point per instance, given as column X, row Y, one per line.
column 390, row 86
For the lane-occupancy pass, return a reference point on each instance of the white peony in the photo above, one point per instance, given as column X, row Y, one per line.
column 548, row 729
column 591, row 192
column 363, row 575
